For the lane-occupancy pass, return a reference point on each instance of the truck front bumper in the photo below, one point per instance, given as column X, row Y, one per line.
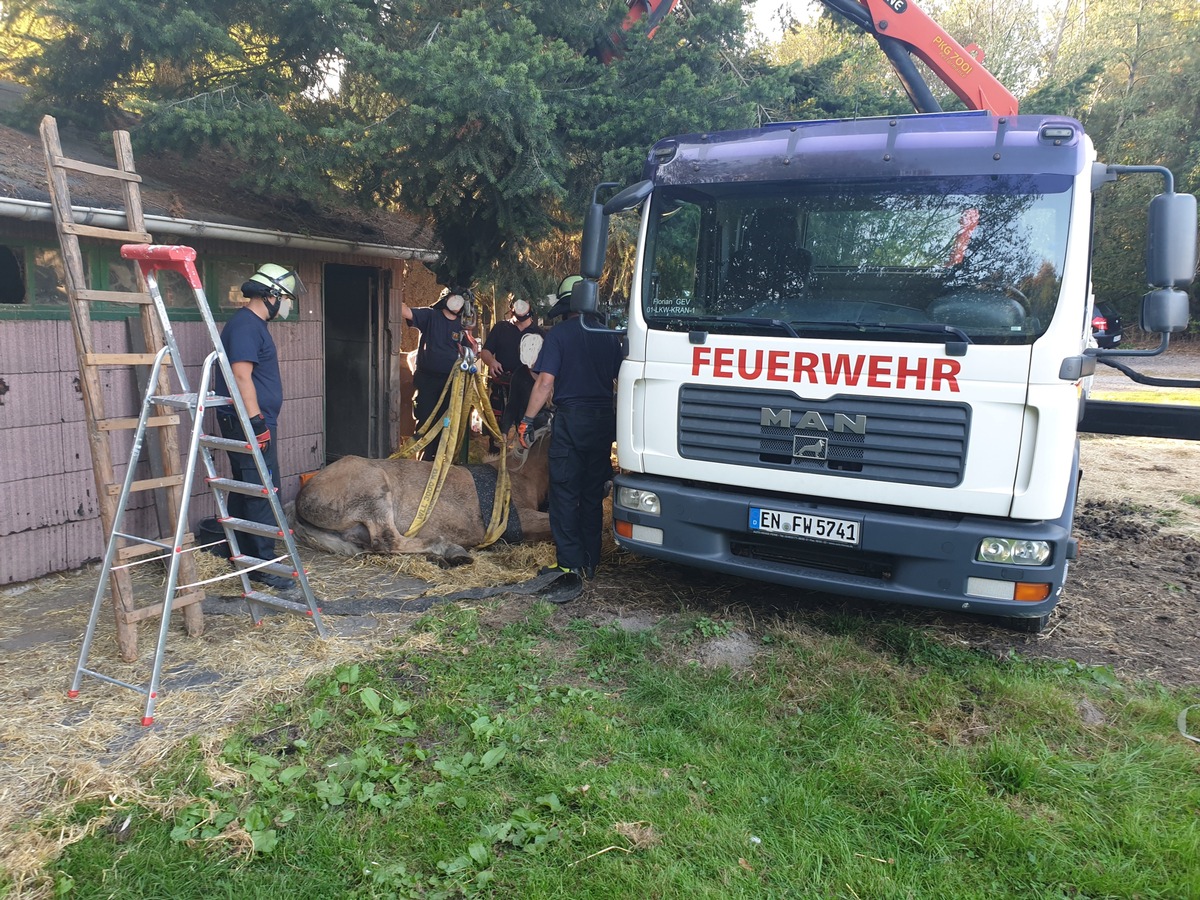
column 922, row 559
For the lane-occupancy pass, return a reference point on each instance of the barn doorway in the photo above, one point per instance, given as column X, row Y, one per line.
column 356, row 354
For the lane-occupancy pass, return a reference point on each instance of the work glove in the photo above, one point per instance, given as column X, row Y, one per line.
column 525, row 433
column 262, row 434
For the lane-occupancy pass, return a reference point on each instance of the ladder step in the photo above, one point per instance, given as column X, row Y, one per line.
column 148, row 546
column 250, row 527
column 127, row 424
column 189, row 401
column 250, row 562
column 222, row 443
column 249, row 488
column 176, row 401
column 107, row 234
column 148, row 484
column 270, row 600
column 123, row 359
column 91, row 169
column 114, row 296
column 154, row 610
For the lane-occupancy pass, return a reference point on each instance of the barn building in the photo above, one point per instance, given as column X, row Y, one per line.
column 341, row 351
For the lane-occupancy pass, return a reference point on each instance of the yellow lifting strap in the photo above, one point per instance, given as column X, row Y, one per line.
column 467, row 390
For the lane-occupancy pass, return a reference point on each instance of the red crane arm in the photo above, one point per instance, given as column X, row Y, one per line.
column 960, row 68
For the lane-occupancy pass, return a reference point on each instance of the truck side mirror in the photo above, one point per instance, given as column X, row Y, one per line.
column 1171, row 241
column 595, row 242
column 630, row 198
column 585, row 296
column 595, row 235
column 1165, row 311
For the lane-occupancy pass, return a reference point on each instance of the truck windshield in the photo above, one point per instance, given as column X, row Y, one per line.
column 983, row 256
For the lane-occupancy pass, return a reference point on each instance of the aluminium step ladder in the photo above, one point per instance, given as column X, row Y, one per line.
column 150, row 259
column 96, row 368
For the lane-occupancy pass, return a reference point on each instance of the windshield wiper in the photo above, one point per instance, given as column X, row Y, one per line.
column 921, row 327
column 691, row 322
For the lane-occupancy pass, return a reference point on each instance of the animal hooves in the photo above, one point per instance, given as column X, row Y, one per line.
column 452, row 561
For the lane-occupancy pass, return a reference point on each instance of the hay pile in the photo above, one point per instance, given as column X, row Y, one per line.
column 56, row 752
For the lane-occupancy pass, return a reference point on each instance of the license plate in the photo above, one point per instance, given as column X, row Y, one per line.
column 805, row 527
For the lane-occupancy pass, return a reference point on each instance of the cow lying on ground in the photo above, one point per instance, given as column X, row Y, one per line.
column 358, row 505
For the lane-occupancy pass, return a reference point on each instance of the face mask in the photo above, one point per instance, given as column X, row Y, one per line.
column 282, row 307
column 454, row 303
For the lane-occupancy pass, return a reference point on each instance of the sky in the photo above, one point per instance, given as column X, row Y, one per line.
column 766, row 10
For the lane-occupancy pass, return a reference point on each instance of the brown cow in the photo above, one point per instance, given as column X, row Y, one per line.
column 358, row 505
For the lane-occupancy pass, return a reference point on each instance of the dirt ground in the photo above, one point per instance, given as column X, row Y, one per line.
column 1132, row 603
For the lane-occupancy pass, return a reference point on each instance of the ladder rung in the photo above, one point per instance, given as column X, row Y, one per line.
column 249, row 488
column 253, row 562
column 156, row 542
column 122, row 359
column 188, row 401
column 114, row 296
column 251, row 527
column 176, row 401
column 258, row 598
column 148, row 484
column 148, row 546
column 155, row 609
column 107, row 234
column 125, row 424
column 104, row 171
column 223, row 443
column 100, row 676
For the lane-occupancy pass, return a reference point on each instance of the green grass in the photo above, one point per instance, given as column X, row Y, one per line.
column 550, row 759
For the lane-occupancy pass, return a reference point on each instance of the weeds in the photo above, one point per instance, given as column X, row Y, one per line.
column 869, row 761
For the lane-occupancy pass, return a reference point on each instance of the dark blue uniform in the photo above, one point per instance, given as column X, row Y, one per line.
column 504, row 342
column 437, row 355
column 584, row 365
column 246, row 339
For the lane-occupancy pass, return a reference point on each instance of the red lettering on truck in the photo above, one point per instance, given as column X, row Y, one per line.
column 881, row 371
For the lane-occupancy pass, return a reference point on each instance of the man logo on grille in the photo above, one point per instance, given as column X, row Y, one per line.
column 818, row 449
column 812, row 421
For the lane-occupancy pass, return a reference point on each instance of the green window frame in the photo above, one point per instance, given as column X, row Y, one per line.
column 41, row 270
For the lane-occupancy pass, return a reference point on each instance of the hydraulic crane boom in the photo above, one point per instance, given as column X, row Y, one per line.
column 902, row 28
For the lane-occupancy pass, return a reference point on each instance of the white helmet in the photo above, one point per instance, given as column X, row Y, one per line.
column 530, row 347
column 282, row 286
column 277, row 278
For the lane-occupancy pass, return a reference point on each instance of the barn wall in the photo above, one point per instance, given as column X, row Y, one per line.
column 49, row 516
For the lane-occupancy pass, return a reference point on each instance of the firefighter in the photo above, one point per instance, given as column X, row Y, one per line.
column 250, row 348
column 578, row 368
column 443, row 336
column 502, row 354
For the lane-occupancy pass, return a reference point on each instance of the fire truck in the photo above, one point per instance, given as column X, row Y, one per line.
column 858, row 351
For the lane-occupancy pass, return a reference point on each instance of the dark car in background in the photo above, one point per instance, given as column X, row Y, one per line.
column 1106, row 326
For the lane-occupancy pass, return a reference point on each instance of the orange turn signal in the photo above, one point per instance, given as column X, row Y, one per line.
column 624, row 529
column 1031, row 592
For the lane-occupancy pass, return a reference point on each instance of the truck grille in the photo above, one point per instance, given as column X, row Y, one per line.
column 815, row 556
column 902, row 441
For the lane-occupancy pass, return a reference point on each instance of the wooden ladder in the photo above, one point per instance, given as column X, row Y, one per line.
column 168, row 486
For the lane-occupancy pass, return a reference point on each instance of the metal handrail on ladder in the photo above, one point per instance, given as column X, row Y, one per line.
column 151, row 259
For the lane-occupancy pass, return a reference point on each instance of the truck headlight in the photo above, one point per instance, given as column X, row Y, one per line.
column 638, row 500
column 1013, row 551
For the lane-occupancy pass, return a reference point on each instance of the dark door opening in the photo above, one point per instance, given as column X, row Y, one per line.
column 355, row 374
